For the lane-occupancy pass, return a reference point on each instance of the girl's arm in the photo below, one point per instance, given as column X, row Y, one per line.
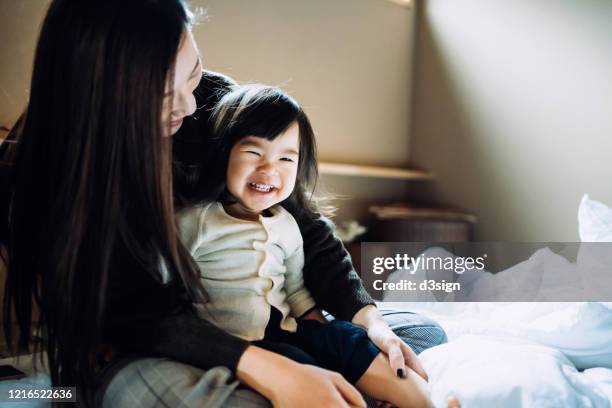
column 299, row 298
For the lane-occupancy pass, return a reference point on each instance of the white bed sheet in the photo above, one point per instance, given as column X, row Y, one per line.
column 508, row 355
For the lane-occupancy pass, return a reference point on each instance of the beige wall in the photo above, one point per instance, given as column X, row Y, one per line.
column 348, row 62
column 512, row 101
column 513, row 110
column 19, row 24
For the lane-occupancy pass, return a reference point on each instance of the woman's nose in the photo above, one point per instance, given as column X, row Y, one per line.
column 185, row 105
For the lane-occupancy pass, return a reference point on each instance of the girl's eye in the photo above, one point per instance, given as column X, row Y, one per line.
column 288, row 159
column 253, row 152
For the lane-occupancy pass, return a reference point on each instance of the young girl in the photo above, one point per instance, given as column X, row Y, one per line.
column 249, row 249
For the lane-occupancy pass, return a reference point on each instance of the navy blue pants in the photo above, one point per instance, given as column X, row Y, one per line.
column 337, row 346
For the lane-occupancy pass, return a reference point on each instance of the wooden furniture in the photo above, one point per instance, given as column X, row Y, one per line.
column 406, row 223
column 418, row 225
column 357, row 170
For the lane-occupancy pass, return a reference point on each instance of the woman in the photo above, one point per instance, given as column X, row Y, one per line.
column 91, row 234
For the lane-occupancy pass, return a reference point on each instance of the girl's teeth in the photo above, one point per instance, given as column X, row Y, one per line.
column 262, row 187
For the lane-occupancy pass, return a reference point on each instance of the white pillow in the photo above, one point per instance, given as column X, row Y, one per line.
column 581, row 330
column 483, row 371
column 595, row 255
column 520, row 282
column 594, row 221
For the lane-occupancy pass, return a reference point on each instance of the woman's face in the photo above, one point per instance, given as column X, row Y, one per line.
column 179, row 100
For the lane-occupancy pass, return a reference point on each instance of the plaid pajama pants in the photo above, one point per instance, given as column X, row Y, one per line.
column 160, row 382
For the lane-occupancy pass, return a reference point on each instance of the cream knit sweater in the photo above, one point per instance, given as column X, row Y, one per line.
column 247, row 267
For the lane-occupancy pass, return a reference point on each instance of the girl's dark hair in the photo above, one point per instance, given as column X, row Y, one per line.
column 90, row 189
column 264, row 111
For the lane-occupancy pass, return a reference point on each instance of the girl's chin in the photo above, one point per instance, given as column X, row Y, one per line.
column 257, row 202
column 259, row 207
column 260, row 199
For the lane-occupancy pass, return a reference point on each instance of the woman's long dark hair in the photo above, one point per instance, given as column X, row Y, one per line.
column 265, row 111
column 91, row 177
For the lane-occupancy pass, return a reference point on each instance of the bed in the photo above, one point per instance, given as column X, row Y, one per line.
column 511, row 355
column 517, row 354
column 529, row 354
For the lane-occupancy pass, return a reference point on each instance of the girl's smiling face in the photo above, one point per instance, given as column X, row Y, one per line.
column 261, row 172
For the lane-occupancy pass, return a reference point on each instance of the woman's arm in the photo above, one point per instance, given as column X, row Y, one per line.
column 336, row 287
column 328, row 271
column 187, row 338
column 288, row 384
column 399, row 353
column 146, row 316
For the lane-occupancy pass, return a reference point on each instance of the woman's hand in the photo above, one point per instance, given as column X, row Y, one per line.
column 309, row 386
column 399, row 353
column 288, row 384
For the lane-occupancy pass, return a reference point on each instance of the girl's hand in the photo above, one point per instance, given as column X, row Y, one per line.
column 399, row 353
column 288, row 384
